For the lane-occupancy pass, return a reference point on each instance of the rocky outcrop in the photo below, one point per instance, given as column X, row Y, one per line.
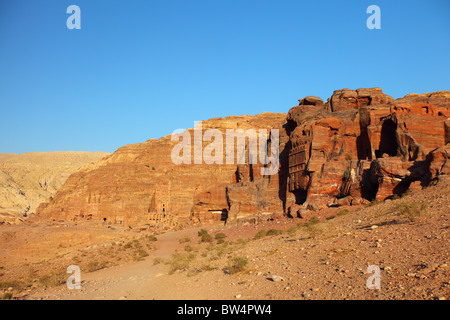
column 364, row 145
column 358, row 146
column 140, row 184
column 347, row 99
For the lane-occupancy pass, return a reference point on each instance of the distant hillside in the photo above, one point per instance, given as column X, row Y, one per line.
column 28, row 179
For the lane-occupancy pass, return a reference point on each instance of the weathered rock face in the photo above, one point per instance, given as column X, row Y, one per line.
column 363, row 144
column 347, row 99
column 141, row 184
column 360, row 145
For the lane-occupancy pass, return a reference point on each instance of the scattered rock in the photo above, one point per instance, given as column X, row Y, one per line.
column 276, row 278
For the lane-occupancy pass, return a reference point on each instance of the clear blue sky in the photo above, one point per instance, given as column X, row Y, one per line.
column 140, row 69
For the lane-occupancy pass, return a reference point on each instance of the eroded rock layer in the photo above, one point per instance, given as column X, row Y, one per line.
column 358, row 146
column 140, row 183
column 362, row 145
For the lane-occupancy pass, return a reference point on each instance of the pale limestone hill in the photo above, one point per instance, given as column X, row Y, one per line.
column 28, row 179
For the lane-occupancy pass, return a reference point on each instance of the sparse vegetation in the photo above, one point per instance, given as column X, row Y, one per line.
column 16, row 285
column 236, row 264
column 292, row 231
column 208, row 267
column 128, row 245
column 313, row 220
column 260, row 234
column 151, row 238
column 205, row 236
column 184, row 240
column 76, row 259
column 95, row 265
column 274, row 232
column 53, row 279
column 242, row 242
column 220, row 235
column 412, row 211
column 264, row 233
column 312, row 227
column 375, row 202
column 142, row 253
column 7, row 296
column 342, row 212
column 395, row 197
column 180, row 261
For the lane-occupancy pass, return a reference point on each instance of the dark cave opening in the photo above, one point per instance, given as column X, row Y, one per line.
column 388, row 139
column 369, row 190
column 300, row 196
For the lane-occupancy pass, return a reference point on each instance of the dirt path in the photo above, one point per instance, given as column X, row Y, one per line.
column 412, row 254
column 131, row 281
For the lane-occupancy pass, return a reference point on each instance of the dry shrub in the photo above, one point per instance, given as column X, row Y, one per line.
column 412, row 211
column 236, row 264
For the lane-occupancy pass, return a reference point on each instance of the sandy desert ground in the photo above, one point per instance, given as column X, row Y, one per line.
column 407, row 238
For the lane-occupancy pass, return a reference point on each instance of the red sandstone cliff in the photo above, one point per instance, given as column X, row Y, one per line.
column 140, row 184
column 364, row 145
column 358, row 146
